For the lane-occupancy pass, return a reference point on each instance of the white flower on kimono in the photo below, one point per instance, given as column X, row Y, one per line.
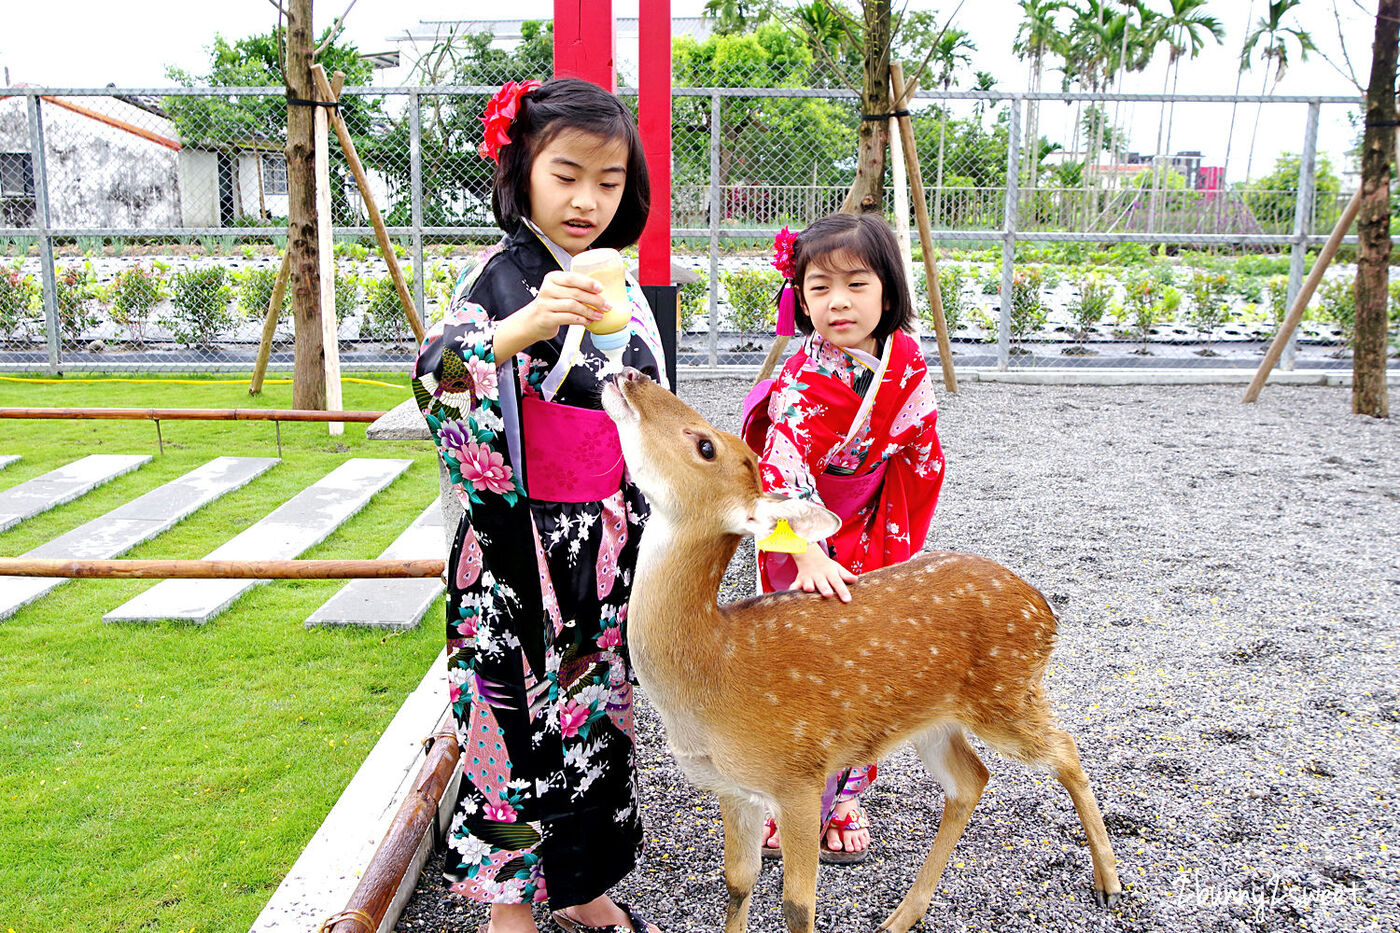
column 485, row 469
column 472, row 849
column 484, row 644
column 591, row 694
column 589, row 776
column 487, row 419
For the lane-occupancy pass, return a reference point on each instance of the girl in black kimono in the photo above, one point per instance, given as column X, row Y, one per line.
column 541, row 568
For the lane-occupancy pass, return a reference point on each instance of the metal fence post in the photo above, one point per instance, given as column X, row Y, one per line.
column 713, row 348
column 1302, row 223
column 1008, row 237
column 44, row 222
column 415, row 182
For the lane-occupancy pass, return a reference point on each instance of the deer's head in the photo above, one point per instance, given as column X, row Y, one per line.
column 692, row 473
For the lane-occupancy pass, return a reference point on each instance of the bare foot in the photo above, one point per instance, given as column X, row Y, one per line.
column 854, row 839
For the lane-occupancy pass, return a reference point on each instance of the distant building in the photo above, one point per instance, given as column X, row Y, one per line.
column 116, row 162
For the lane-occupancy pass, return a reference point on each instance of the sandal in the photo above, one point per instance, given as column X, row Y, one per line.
column 570, row 925
column 769, row 829
column 856, row 819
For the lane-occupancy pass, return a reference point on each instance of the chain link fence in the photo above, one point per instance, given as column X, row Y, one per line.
column 141, row 230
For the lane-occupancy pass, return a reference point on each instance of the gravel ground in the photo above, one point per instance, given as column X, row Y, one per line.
column 1228, row 585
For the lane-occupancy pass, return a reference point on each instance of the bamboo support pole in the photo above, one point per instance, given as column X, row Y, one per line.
column 402, row 845
column 347, row 146
column 1300, row 303
column 325, row 252
column 74, row 569
column 916, row 183
column 274, row 311
column 190, row 414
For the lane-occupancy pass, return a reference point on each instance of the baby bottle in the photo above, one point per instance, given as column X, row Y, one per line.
column 613, row 330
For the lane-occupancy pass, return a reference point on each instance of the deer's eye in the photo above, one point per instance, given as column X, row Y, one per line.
column 706, row 448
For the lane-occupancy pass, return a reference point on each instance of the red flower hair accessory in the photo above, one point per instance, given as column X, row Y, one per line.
column 782, row 252
column 500, row 114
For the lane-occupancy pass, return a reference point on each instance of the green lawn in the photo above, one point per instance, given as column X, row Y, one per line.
column 165, row 776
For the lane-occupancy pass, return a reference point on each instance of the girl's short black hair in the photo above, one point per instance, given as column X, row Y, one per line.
column 869, row 238
column 545, row 112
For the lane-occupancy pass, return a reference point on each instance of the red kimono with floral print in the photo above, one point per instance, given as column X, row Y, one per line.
column 813, row 410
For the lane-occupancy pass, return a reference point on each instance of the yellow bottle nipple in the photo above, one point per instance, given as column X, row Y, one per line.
column 783, row 539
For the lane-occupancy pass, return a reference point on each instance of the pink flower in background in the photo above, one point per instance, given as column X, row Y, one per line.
column 484, row 468
column 572, row 719
column 499, row 813
column 611, row 637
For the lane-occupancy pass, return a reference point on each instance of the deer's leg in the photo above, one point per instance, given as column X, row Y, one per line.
column 1063, row 757
column 799, row 824
column 952, row 762
column 743, row 829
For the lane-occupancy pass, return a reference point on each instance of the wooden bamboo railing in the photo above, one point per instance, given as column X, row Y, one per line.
column 193, row 414
column 379, row 568
column 388, row 868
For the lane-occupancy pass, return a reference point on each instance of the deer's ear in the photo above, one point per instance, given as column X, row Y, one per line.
column 807, row 519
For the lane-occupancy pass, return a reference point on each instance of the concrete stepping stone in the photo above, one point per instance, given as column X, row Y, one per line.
column 391, row 604
column 304, row 520
column 139, row 520
column 7, row 460
column 63, row 485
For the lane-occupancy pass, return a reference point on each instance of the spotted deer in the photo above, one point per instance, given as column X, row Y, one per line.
column 757, row 708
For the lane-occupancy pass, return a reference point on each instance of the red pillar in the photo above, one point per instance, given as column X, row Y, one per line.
column 584, row 43
column 654, row 121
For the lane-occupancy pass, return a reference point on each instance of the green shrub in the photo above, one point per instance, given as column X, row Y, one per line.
column 951, row 281
column 135, row 293
column 199, row 300
column 18, row 294
column 1027, row 310
column 693, row 303
column 384, row 320
column 1090, row 305
column 255, row 287
column 1336, row 299
column 347, row 295
column 1209, row 309
column 753, row 304
column 1142, row 307
column 75, row 294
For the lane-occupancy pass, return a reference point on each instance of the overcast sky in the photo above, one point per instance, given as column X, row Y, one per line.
column 90, row 43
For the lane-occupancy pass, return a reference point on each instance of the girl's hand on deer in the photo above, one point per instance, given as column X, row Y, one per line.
column 817, row 573
column 564, row 298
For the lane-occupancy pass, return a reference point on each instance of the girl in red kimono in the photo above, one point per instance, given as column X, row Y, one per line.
column 541, row 565
column 851, row 424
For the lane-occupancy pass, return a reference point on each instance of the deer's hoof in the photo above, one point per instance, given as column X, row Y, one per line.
column 1107, row 899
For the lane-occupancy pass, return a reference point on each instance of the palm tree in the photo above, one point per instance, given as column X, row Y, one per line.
column 1272, row 28
column 1037, row 34
column 952, row 49
column 1184, row 30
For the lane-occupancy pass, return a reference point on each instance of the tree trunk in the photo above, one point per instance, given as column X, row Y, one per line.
column 867, row 193
column 309, row 376
column 1368, row 394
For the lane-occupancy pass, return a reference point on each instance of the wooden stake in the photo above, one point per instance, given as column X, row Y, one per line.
column 916, row 182
column 274, row 311
column 381, row 233
column 1300, row 303
column 324, row 220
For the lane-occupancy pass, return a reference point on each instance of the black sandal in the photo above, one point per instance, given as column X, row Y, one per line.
column 570, row 925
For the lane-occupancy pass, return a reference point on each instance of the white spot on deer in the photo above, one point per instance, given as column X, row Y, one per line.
column 850, row 662
column 996, row 688
column 993, row 651
column 1026, row 613
column 996, row 583
column 986, row 600
column 1010, row 627
column 933, row 649
column 772, row 698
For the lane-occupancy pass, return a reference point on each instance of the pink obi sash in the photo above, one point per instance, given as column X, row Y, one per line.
column 571, row 454
column 846, row 495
